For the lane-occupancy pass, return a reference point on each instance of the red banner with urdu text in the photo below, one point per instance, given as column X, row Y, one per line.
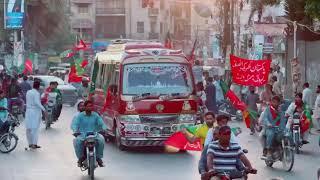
column 249, row 72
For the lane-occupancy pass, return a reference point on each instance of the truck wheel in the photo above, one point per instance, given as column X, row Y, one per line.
column 118, row 141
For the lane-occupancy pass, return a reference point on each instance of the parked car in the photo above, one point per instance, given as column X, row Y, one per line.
column 69, row 93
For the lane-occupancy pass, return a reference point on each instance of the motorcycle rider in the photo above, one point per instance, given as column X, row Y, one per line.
column 14, row 94
column 53, row 89
column 213, row 135
column 84, row 88
column 88, row 121
column 222, row 155
column 271, row 118
column 59, row 99
column 298, row 102
column 4, row 125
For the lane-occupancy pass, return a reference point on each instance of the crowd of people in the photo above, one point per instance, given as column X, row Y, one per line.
column 221, row 148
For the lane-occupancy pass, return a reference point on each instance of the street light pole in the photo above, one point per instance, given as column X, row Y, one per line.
column 295, row 39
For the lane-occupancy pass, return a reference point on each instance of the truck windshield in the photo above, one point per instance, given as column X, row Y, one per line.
column 157, row 78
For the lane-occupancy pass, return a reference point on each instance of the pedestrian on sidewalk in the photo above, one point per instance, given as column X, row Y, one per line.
column 33, row 114
column 211, row 101
column 316, row 113
column 307, row 95
column 251, row 101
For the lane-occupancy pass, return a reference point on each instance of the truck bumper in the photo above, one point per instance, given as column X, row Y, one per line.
column 140, row 142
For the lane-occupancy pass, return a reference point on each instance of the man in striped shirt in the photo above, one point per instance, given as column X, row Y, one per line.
column 222, row 155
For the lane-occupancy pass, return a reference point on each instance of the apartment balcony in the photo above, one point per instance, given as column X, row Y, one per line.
column 153, row 35
column 153, row 12
column 82, row 1
column 110, row 11
column 82, row 24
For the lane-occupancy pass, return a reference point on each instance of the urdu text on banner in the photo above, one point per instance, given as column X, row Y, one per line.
column 249, row 72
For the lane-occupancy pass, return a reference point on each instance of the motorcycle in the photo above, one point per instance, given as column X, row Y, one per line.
column 226, row 108
column 281, row 152
column 296, row 132
column 241, row 173
column 8, row 139
column 51, row 107
column 229, row 176
column 16, row 109
column 90, row 162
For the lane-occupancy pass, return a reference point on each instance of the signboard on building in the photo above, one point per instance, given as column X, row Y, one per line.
column 13, row 14
column 215, row 47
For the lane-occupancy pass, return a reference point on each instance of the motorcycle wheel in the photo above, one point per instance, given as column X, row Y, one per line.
column 8, row 142
column 297, row 143
column 91, row 167
column 287, row 155
column 48, row 121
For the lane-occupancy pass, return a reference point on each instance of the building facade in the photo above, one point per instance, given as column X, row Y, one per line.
column 110, row 19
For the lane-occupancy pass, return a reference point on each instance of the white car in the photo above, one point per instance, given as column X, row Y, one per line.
column 69, row 93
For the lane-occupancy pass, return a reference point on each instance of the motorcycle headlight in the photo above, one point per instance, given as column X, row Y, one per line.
column 187, row 118
column 130, row 118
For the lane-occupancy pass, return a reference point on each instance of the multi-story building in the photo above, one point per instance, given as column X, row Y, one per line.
column 83, row 18
column 147, row 22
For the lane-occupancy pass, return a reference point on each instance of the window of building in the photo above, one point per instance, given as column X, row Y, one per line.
column 140, row 27
column 161, row 28
column 162, row 6
column 83, row 9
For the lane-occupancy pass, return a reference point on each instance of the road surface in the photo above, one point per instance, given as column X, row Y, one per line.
column 56, row 159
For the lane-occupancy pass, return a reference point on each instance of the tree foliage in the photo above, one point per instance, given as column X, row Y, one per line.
column 47, row 24
column 312, row 8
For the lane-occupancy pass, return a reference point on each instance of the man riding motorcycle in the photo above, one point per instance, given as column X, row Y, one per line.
column 294, row 106
column 53, row 89
column 222, row 155
column 4, row 125
column 14, row 94
column 272, row 120
column 88, row 121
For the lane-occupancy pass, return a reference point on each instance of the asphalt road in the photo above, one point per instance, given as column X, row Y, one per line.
column 56, row 160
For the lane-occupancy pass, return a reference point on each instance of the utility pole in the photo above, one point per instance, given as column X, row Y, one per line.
column 295, row 39
column 231, row 26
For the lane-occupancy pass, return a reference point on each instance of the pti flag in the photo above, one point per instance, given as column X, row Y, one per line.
column 178, row 141
column 249, row 72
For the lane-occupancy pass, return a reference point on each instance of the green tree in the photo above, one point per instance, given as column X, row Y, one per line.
column 47, row 24
column 258, row 5
column 312, row 8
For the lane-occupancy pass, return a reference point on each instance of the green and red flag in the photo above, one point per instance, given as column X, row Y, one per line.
column 67, row 54
column 94, row 76
column 247, row 113
column 178, row 141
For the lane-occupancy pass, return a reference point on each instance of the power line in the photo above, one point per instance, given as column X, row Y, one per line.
column 303, row 25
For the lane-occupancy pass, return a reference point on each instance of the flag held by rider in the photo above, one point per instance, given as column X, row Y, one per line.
column 177, row 141
column 249, row 72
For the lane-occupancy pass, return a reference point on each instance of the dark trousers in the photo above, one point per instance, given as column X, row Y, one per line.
column 4, row 127
column 58, row 111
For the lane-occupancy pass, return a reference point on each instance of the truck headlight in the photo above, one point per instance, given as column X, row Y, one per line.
column 187, row 118
column 130, row 118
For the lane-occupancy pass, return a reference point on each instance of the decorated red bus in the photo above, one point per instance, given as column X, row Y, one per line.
column 149, row 93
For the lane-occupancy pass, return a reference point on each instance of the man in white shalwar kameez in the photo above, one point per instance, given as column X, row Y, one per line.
column 33, row 115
